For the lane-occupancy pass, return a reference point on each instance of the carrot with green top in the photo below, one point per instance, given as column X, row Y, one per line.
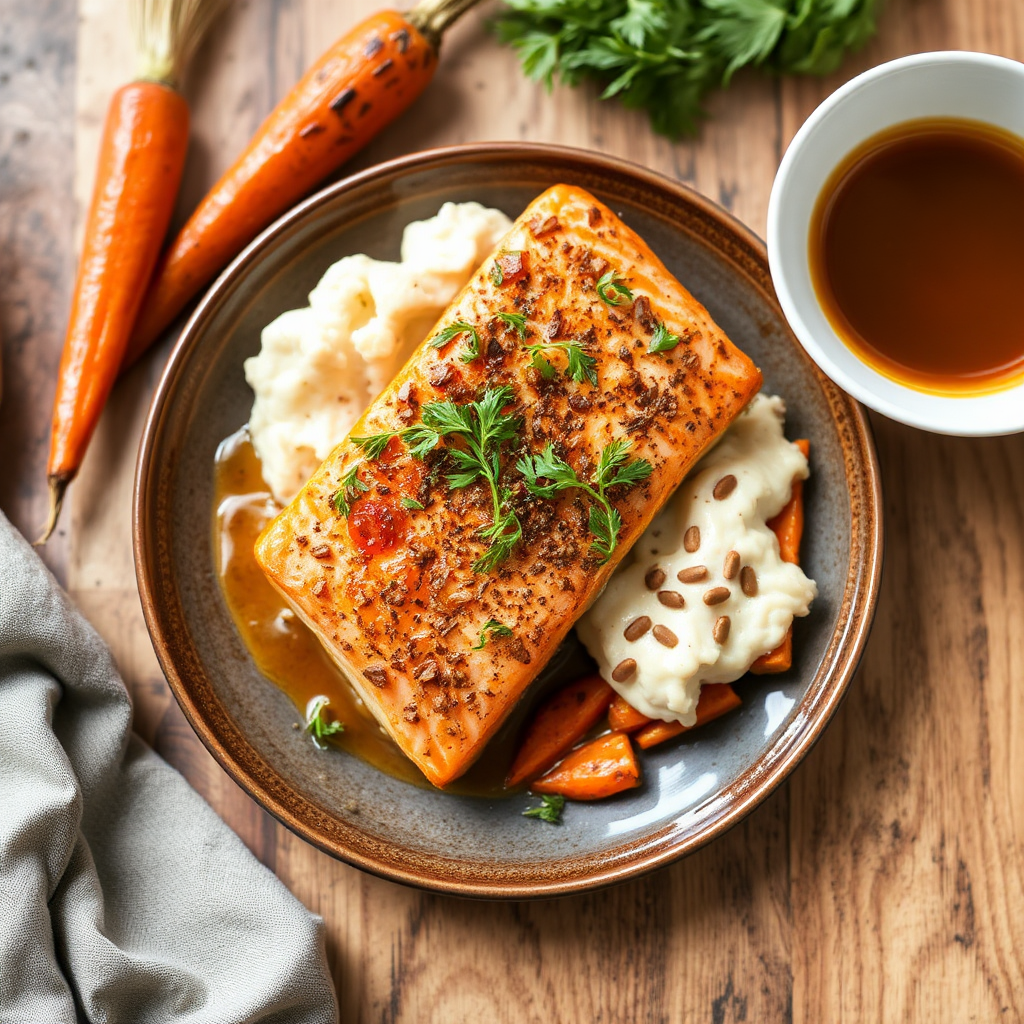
column 359, row 86
column 141, row 158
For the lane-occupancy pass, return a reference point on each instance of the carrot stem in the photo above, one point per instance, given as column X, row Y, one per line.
column 433, row 17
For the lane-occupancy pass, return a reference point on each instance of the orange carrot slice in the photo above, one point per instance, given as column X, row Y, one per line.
column 788, row 527
column 623, row 717
column 715, row 700
column 559, row 723
column 596, row 770
column 359, row 86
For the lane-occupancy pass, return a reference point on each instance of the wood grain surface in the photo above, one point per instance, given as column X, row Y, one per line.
column 884, row 882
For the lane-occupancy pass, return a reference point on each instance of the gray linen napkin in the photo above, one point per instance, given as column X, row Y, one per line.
column 123, row 897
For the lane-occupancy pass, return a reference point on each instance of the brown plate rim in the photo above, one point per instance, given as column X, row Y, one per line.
column 841, row 659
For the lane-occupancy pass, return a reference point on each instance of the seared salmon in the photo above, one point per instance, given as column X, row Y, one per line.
column 443, row 551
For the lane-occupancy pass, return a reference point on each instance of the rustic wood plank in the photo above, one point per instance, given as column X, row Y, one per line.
column 37, row 48
column 883, row 883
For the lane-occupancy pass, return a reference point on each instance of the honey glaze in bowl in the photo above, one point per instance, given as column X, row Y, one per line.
column 478, row 845
column 916, row 251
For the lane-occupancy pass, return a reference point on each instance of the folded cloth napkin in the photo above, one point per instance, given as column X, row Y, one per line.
column 123, row 897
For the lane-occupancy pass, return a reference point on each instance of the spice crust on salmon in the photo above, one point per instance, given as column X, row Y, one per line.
column 446, row 547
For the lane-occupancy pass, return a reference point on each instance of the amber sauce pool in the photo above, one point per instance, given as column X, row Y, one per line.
column 286, row 650
column 917, row 255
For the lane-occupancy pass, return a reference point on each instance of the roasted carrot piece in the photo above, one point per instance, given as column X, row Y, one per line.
column 141, row 158
column 359, row 86
column 788, row 527
column 715, row 700
column 623, row 717
column 558, row 724
column 601, row 768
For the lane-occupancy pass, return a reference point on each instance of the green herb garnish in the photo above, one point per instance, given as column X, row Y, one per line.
column 613, row 470
column 491, row 628
column 412, row 503
column 350, row 489
column 514, row 320
column 483, row 427
column 497, row 275
column 612, row 291
column 550, row 809
column 543, row 366
column 580, row 367
column 453, row 331
column 317, row 726
column 664, row 56
column 373, row 445
column 664, row 340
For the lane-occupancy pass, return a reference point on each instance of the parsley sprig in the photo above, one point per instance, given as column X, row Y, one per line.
column 550, row 810
column 580, row 366
column 351, row 486
column 451, row 332
column 611, row 290
column 614, row 469
column 663, row 340
column 491, row 628
column 483, row 427
column 664, row 56
column 517, row 321
column 317, row 726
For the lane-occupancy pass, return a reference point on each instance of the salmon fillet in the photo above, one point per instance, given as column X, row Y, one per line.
column 383, row 552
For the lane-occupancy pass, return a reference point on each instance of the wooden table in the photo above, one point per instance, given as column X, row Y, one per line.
column 885, row 881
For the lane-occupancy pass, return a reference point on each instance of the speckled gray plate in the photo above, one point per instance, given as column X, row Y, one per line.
column 693, row 790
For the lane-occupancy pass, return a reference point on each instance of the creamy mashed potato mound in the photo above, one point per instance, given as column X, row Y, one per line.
column 667, row 680
column 320, row 366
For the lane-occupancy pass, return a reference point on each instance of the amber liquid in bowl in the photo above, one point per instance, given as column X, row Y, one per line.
column 917, row 255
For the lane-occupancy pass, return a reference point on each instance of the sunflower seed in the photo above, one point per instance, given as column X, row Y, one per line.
column 624, row 670
column 637, row 628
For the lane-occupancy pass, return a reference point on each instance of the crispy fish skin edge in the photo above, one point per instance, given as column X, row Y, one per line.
column 452, row 769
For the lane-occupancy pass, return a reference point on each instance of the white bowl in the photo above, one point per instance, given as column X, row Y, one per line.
column 951, row 83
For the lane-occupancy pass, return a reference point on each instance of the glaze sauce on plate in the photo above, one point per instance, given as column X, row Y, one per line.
column 917, row 255
column 288, row 653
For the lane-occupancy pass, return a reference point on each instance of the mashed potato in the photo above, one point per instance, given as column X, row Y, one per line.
column 694, row 532
column 320, row 366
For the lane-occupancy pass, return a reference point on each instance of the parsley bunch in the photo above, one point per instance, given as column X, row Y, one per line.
column 663, row 56
column 614, row 469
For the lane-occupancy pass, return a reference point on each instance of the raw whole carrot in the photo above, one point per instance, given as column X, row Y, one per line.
column 559, row 723
column 788, row 527
column 141, row 158
column 715, row 700
column 360, row 85
column 623, row 717
column 596, row 770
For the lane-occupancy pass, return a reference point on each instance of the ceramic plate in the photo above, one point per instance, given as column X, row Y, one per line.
column 693, row 789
